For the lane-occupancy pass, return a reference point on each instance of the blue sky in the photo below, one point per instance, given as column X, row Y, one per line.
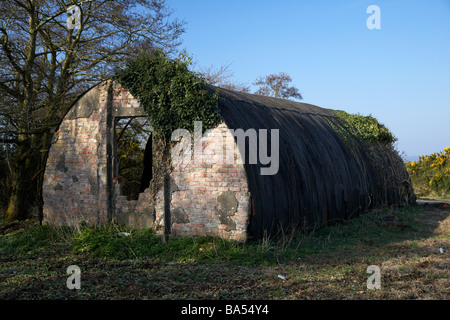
column 400, row 73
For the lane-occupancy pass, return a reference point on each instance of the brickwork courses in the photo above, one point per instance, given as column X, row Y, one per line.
column 81, row 184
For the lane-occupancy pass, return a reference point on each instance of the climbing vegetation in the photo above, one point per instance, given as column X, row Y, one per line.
column 365, row 129
column 173, row 96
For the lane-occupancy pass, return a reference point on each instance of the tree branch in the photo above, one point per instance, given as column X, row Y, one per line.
column 8, row 53
column 12, row 92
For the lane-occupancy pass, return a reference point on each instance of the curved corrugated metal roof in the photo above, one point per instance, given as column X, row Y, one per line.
column 321, row 179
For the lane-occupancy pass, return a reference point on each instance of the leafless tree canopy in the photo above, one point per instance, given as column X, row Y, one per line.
column 274, row 85
column 222, row 77
column 43, row 61
column 277, row 85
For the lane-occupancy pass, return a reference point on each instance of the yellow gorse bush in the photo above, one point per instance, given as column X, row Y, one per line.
column 431, row 174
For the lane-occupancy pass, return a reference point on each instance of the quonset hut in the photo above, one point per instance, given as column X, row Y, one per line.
column 315, row 176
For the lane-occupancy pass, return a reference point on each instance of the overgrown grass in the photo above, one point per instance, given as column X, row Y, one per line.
column 330, row 263
column 120, row 243
column 34, row 240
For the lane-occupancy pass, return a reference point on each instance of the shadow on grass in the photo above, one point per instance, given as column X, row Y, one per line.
column 366, row 235
column 356, row 238
column 323, row 264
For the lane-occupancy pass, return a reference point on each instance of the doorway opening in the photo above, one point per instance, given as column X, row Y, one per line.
column 133, row 163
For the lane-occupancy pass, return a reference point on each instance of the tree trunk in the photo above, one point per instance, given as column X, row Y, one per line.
column 27, row 177
column 21, row 187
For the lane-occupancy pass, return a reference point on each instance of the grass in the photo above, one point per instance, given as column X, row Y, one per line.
column 328, row 264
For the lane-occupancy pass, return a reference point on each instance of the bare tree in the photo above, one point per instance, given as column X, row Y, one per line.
column 277, row 85
column 222, row 77
column 50, row 52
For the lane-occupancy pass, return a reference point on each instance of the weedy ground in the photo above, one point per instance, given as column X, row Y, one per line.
column 410, row 246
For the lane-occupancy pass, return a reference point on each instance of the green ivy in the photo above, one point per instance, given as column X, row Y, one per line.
column 172, row 96
column 366, row 129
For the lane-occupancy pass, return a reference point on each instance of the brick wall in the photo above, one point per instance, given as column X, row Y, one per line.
column 74, row 180
column 210, row 197
column 207, row 197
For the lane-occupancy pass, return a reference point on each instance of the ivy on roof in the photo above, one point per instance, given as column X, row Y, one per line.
column 172, row 96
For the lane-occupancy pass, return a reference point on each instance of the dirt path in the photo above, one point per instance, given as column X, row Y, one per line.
column 426, row 200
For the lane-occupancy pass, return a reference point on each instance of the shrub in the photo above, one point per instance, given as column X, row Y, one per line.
column 366, row 129
column 431, row 174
